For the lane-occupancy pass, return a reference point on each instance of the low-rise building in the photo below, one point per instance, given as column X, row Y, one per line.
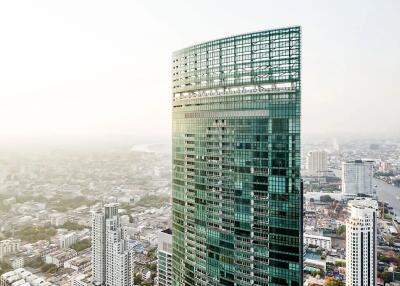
column 9, row 246
column 22, row 277
column 17, row 262
column 59, row 257
column 78, row 263
column 82, row 279
column 324, row 242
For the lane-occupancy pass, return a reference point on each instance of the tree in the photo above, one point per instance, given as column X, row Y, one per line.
column 48, row 268
column 334, row 282
column 387, row 276
column 341, row 230
column 326, row 199
column 4, row 267
column 138, row 279
column 81, row 245
column 383, row 258
column 35, row 262
column 35, row 233
column 72, row 226
column 340, row 263
column 152, row 266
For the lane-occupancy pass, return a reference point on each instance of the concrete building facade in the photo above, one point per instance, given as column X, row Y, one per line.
column 164, row 269
column 317, row 162
column 324, row 242
column 361, row 257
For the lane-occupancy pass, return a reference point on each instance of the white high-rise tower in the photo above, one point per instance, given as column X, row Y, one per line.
column 317, row 162
column 357, row 178
column 98, row 248
column 164, row 269
column 111, row 259
column 361, row 243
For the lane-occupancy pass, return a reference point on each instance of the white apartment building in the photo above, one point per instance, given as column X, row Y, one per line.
column 317, row 162
column 57, row 219
column 9, row 246
column 361, row 261
column 324, row 242
column 68, row 239
column 98, row 248
column 112, row 261
column 357, row 178
column 164, row 253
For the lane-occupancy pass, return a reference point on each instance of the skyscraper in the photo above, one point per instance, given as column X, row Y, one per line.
column 164, row 253
column 361, row 242
column 357, row 178
column 98, row 248
column 317, row 162
column 237, row 197
column 112, row 262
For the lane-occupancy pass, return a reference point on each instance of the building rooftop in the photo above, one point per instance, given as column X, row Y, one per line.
column 167, row 231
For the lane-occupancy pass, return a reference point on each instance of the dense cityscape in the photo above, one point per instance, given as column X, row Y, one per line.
column 47, row 205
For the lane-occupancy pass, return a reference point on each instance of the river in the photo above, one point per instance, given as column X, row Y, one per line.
column 388, row 193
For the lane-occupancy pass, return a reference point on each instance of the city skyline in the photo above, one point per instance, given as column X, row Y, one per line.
column 80, row 74
column 199, row 143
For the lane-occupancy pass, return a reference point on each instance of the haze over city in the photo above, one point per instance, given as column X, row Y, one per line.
column 95, row 70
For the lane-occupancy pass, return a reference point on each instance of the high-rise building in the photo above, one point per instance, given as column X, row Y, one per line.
column 361, row 264
column 335, row 146
column 112, row 261
column 237, row 196
column 357, row 178
column 164, row 269
column 317, row 162
column 98, row 248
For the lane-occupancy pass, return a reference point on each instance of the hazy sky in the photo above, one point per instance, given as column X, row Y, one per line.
column 71, row 69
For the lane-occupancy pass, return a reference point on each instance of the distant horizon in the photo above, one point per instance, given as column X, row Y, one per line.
column 101, row 142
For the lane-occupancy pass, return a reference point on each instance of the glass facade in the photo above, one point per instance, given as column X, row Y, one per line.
column 237, row 196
